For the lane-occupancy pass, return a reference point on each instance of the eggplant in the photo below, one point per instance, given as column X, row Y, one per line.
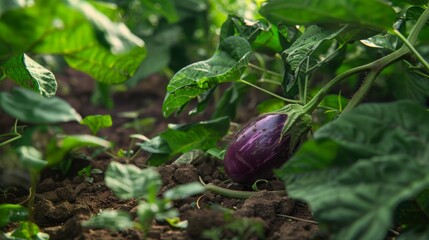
column 257, row 149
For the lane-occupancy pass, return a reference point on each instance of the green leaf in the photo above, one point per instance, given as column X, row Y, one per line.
column 12, row 213
column 129, row 181
column 226, row 65
column 31, row 158
column 301, row 50
column 270, row 105
column 27, row 73
column 115, row 36
column 407, row 84
column 73, row 35
column 373, row 14
column 360, row 167
column 29, row 230
column 28, row 106
column 96, row 122
column 115, row 220
column 22, row 27
column 57, row 149
column 259, row 34
column 183, row 191
column 183, row 138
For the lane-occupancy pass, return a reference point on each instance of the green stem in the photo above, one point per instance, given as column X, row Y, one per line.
column 386, row 61
column 375, row 66
column 412, row 48
column 265, row 70
column 268, row 92
column 236, row 193
column 361, row 93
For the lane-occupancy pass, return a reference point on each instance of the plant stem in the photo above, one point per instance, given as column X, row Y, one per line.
column 412, row 49
column 375, row 66
column 265, row 70
column 268, row 92
column 361, row 92
column 380, row 64
column 236, row 193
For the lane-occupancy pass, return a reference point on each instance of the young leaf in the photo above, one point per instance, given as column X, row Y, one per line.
column 115, row 220
column 259, row 34
column 227, row 64
column 96, row 122
column 373, row 14
column 12, row 213
column 129, row 181
column 27, row 73
column 28, row 106
column 360, row 167
column 29, row 230
column 57, row 149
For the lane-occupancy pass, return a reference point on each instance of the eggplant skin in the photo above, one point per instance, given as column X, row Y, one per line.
column 257, row 149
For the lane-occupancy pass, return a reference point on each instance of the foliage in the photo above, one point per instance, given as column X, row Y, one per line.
column 88, row 36
column 129, row 181
column 364, row 171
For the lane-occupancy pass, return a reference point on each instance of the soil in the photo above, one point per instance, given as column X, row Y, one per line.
column 63, row 201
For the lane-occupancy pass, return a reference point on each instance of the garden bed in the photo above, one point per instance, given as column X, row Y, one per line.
column 64, row 201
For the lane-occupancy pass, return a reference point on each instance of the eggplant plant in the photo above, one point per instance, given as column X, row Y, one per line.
column 320, row 62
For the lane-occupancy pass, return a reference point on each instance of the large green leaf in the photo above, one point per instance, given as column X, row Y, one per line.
column 360, row 167
column 373, row 14
column 116, row 36
column 183, row 138
column 74, row 35
column 21, row 27
column 129, row 181
column 29, row 74
column 226, row 65
column 30, row 107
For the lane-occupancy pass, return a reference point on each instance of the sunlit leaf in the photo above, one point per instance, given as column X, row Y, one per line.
column 29, row 74
column 72, row 34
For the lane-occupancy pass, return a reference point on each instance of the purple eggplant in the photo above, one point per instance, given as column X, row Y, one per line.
column 257, row 149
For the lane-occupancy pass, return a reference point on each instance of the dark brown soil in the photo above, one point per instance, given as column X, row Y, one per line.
column 64, row 201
